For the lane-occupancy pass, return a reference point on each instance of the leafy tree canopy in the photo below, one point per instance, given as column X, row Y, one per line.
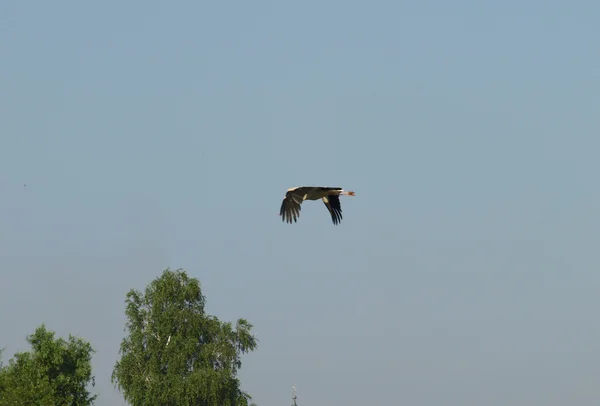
column 54, row 372
column 176, row 354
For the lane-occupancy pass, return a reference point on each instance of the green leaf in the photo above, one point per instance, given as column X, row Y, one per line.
column 176, row 354
column 54, row 372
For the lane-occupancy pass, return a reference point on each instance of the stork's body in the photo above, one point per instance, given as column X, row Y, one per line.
column 291, row 205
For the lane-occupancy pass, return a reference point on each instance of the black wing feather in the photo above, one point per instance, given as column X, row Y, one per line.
column 290, row 207
column 334, row 207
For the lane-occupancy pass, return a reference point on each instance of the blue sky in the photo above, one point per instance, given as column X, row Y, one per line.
column 154, row 134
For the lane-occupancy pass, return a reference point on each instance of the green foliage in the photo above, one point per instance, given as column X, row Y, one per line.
column 54, row 372
column 176, row 354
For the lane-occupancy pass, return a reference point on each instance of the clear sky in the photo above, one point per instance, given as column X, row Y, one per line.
column 164, row 134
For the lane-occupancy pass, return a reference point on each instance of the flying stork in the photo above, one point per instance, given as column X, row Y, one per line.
column 290, row 207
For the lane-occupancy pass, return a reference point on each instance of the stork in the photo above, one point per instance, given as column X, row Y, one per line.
column 291, row 205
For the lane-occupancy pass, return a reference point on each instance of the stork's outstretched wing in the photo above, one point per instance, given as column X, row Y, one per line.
column 291, row 205
column 332, row 203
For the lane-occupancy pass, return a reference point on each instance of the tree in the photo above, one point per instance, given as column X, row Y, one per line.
column 2, row 388
column 54, row 372
column 176, row 354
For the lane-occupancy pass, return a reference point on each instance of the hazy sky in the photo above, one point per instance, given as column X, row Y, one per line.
column 164, row 134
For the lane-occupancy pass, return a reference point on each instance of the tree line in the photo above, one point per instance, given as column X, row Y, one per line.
column 173, row 353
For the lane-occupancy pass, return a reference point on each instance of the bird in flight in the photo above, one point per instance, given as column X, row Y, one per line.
column 290, row 207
